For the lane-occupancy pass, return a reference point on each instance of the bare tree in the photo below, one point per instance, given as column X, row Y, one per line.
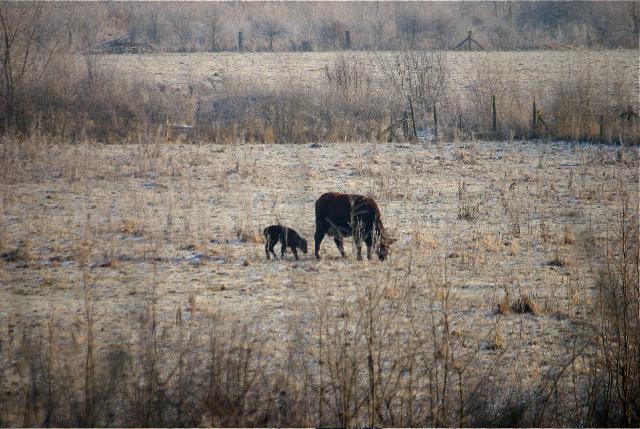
column 442, row 29
column 378, row 28
column 635, row 19
column 410, row 26
column 27, row 47
column 330, row 33
column 418, row 77
column 268, row 28
column 153, row 26
column 214, row 26
column 181, row 25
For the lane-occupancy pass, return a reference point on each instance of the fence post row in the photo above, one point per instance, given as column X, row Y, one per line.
column 537, row 119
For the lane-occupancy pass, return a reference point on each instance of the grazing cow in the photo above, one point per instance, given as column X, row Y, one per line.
column 343, row 215
column 287, row 238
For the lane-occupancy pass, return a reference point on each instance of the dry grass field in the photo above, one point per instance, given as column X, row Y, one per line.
column 494, row 271
column 535, row 71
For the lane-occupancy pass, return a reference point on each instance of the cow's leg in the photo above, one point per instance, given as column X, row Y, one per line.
column 295, row 252
column 340, row 245
column 358, row 242
column 369, row 243
column 266, row 249
column 283, row 249
column 321, row 230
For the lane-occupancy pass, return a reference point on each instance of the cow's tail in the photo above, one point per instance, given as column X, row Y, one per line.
column 358, row 207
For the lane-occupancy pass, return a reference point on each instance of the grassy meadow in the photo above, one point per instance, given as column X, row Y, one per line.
column 136, row 290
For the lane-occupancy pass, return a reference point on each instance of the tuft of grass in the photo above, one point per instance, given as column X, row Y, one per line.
column 496, row 342
column 468, row 207
column 130, row 227
column 22, row 253
column 559, row 260
column 523, row 304
column 568, row 237
column 467, row 157
column 504, row 305
column 526, row 304
column 246, row 235
column 514, row 247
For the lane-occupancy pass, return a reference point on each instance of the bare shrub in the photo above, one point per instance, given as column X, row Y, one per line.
column 349, row 76
column 614, row 394
column 293, row 115
column 497, row 80
column 30, row 39
column 577, row 110
column 418, row 79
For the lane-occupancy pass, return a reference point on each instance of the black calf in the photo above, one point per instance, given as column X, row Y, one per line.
column 287, row 238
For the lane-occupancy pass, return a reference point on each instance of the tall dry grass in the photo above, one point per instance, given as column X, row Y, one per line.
column 358, row 98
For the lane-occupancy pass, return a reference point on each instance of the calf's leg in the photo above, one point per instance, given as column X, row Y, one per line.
column 268, row 248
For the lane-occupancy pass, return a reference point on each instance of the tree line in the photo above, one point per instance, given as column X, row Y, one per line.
column 320, row 26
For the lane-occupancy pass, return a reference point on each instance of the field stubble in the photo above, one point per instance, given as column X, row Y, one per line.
column 534, row 71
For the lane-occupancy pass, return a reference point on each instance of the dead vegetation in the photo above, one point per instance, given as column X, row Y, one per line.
column 135, row 291
column 351, row 97
column 138, row 293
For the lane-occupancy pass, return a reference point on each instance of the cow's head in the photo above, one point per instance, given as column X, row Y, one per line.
column 303, row 245
column 384, row 247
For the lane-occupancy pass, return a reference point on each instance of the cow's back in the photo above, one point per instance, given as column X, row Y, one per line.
column 334, row 208
column 341, row 210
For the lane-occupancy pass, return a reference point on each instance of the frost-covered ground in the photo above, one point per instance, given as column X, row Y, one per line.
column 488, row 217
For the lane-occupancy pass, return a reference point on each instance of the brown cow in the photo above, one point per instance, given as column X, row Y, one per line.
column 343, row 215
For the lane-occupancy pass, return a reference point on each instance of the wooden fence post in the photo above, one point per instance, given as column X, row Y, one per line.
column 240, row 41
column 601, row 128
column 534, row 119
column 347, row 40
column 493, row 102
column 460, row 121
column 435, row 121
column 413, row 119
column 405, row 124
